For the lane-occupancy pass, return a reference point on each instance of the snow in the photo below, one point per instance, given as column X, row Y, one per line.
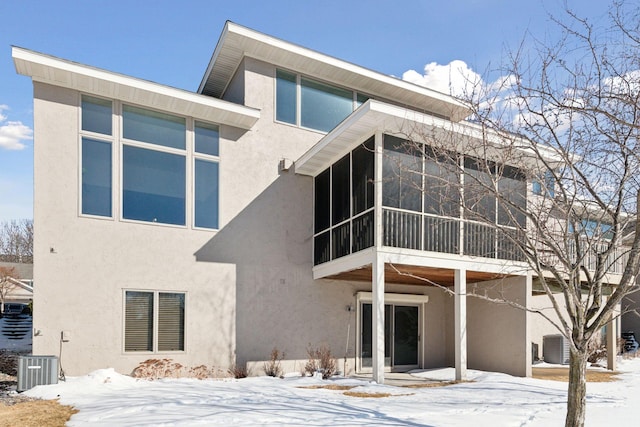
column 107, row 398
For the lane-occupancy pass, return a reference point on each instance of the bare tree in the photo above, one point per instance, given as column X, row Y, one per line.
column 567, row 119
column 16, row 241
column 8, row 275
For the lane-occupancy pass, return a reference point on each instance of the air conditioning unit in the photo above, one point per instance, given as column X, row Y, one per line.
column 36, row 370
column 555, row 349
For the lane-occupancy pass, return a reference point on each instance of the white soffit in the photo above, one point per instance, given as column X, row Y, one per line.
column 375, row 116
column 59, row 72
column 237, row 41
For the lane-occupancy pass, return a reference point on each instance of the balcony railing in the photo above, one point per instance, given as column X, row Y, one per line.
column 588, row 251
column 403, row 229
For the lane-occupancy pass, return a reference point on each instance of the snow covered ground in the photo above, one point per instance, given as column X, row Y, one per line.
column 109, row 399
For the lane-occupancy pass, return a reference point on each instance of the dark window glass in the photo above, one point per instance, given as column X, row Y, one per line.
column 322, row 201
column 207, row 138
column 206, row 194
column 324, row 106
column 170, row 322
column 138, row 326
column 479, row 196
column 96, row 177
column 340, row 186
column 286, row 99
column 153, row 127
column 442, row 184
column 153, row 186
column 401, row 174
column 362, row 173
column 322, row 248
column 96, row 115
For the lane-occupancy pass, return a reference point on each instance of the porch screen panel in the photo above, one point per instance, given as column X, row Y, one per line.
column 479, row 199
column 322, row 201
column 401, row 174
column 340, row 241
column 512, row 187
column 363, row 232
column 138, row 330
column 442, row 184
column 322, row 248
column 170, row 322
column 362, row 176
column 340, row 190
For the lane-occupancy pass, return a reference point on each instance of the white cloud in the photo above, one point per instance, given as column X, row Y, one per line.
column 456, row 78
column 13, row 133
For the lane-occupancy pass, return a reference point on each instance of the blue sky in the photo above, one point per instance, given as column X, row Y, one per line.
column 171, row 42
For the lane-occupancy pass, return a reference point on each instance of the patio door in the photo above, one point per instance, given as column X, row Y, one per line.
column 401, row 332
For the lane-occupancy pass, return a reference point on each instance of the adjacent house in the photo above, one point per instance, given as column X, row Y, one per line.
column 273, row 208
column 17, row 288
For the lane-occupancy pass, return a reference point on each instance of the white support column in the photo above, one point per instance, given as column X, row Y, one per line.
column 377, row 318
column 377, row 275
column 528, row 298
column 460, row 314
column 612, row 341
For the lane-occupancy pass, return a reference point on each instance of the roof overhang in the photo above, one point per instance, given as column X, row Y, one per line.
column 237, row 41
column 59, row 72
column 373, row 116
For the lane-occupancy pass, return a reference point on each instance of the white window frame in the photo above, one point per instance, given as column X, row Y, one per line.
column 117, row 141
column 112, row 140
column 299, row 77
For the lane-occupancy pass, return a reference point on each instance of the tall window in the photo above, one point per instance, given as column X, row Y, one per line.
column 154, row 165
column 313, row 104
column 96, row 157
column 154, row 321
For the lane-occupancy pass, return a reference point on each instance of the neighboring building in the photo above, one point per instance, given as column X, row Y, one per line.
column 19, row 289
column 262, row 211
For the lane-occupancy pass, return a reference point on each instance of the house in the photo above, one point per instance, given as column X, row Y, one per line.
column 272, row 208
column 17, row 289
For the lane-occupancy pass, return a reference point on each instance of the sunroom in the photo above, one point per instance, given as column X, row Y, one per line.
column 387, row 212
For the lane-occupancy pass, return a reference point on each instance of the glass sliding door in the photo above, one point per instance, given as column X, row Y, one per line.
column 401, row 333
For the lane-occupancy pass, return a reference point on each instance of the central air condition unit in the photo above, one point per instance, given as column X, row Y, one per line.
column 555, row 349
column 36, row 370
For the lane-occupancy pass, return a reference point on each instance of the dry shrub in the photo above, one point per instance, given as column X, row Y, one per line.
column 329, row 387
column 239, row 371
column 273, row 367
column 153, row 369
column 35, row 413
column 320, row 360
column 372, row 395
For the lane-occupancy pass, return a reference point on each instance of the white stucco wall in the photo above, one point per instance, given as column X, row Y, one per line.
column 498, row 334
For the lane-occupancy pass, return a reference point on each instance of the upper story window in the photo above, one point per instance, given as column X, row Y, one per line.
column 160, row 155
column 312, row 104
column 96, row 176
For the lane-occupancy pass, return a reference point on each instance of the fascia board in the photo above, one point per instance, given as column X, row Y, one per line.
column 59, row 72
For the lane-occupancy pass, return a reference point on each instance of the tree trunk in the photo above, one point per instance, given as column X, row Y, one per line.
column 576, row 397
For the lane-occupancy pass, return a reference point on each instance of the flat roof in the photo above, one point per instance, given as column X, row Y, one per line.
column 237, row 41
column 60, row 72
